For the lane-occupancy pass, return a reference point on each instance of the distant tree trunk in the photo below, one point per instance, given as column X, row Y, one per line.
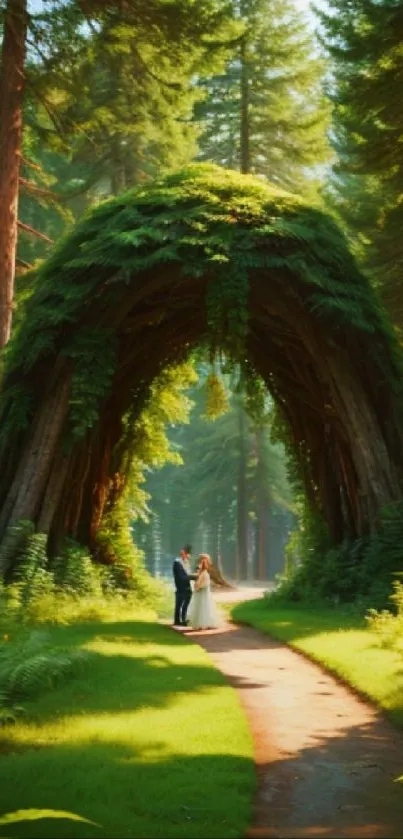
column 218, row 546
column 118, row 177
column 245, row 128
column 262, row 507
column 242, row 507
column 11, row 99
column 242, row 503
column 156, row 542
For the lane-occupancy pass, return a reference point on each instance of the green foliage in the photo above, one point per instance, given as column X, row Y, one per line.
column 190, row 221
column 32, row 578
column 43, row 204
column 271, row 89
column 257, row 400
column 311, row 569
column 71, row 586
column 19, row 408
column 362, row 571
column 62, row 607
column 125, row 559
column 148, row 447
column 18, row 534
column 94, row 358
column 227, row 305
column 33, row 558
column 387, row 625
column 30, row 666
column 363, row 40
column 109, row 102
column 75, row 572
column 217, row 402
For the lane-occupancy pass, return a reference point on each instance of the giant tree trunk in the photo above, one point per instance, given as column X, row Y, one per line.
column 11, row 99
column 378, row 479
column 32, row 492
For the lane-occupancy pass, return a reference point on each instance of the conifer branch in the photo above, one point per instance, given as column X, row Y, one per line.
column 31, row 230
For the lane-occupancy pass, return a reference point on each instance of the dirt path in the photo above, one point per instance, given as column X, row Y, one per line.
column 326, row 761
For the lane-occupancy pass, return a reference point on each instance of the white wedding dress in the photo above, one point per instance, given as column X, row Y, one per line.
column 203, row 612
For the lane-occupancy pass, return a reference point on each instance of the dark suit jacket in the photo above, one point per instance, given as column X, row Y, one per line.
column 181, row 577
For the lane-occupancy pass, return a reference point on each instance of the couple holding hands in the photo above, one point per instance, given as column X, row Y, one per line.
column 202, row 612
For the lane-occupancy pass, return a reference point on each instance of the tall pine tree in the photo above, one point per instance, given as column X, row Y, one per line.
column 364, row 40
column 267, row 113
column 95, row 65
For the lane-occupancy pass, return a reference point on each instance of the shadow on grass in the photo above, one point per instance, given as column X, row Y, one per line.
column 128, row 774
column 340, row 785
column 140, row 631
column 128, row 794
column 117, row 682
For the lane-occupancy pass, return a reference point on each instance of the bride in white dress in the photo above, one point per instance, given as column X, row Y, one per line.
column 203, row 612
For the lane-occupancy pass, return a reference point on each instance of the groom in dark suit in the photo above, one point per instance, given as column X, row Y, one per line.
column 183, row 589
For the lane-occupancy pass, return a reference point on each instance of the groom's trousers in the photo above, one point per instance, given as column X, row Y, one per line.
column 182, row 600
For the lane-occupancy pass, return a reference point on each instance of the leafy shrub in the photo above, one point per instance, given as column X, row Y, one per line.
column 32, row 558
column 71, row 588
column 65, row 608
column 126, row 567
column 361, row 571
column 14, row 540
column 387, row 625
column 74, row 571
column 217, row 401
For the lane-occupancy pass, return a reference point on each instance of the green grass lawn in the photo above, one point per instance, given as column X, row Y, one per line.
column 148, row 742
column 340, row 641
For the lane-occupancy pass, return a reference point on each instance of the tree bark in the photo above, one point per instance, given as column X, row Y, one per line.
column 53, row 493
column 11, row 99
column 378, row 482
column 26, row 492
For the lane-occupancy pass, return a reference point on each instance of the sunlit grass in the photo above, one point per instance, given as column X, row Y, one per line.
column 341, row 642
column 149, row 742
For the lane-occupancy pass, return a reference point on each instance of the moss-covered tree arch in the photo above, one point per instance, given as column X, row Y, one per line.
column 203, row 254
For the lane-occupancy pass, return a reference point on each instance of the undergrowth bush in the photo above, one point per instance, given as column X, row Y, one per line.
column 388, row 625
column 71, row 586
column 67, row 589
column 361, row 571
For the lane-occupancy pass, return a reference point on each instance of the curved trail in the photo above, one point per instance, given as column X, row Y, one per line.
column 327, row 761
